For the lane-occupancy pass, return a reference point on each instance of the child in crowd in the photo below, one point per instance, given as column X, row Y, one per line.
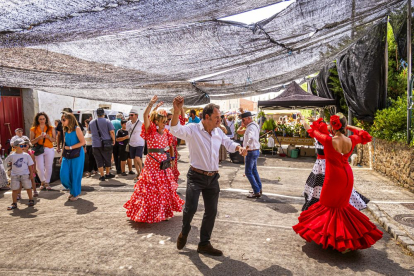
column 29, row 151
column 21, row 173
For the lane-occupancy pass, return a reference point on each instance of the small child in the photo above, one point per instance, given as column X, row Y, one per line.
column 27, row 150
column 21, row 173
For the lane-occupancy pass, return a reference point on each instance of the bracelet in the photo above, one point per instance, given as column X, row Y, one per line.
column 70, row 147
column 172, row 158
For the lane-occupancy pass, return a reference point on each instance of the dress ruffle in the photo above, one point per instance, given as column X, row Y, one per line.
column 320, row 126
column 365, row 137
column 155, row 198
column 146, row 134
column 340, row 228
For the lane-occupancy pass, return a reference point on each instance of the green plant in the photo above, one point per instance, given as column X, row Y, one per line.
column 391, row 123
column 269, row 125
column 397, row 75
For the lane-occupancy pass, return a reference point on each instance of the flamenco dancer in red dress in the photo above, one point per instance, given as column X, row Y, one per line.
column 333, row 221
column 155, row 197
column 174, row 163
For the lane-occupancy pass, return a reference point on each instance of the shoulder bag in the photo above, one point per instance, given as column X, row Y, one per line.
column 37, row 148
column 127, row 146
column 70, row 154
column 163, row 164
column 106, row 144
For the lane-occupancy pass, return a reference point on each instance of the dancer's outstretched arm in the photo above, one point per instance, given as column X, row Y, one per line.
column 147, row 112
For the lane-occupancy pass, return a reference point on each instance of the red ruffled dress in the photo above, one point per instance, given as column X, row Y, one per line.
column 333, row 221
column 174, row 144
column 155, row 198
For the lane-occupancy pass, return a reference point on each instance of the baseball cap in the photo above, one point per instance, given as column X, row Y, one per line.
column 18, row 141
column 100, row 111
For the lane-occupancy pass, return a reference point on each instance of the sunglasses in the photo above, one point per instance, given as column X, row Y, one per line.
column 23, row 146
column 131, row 115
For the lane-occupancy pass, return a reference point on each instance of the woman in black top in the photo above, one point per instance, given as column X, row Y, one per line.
column 122, row 139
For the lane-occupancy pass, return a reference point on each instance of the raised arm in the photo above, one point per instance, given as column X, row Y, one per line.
column 147, row 112
column 176, row 128
column 158, row 105
column 319, row 130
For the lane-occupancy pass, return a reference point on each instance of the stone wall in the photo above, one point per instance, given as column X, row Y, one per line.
column 395, row 160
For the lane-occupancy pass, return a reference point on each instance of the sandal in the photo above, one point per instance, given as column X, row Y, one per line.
column 31, row 203
column 88, row 174
column 74, row 198
column 42, row 186
column 254, row 195
column 35, row 194
column 48, row 186
column 70, row 196
column 12, row 206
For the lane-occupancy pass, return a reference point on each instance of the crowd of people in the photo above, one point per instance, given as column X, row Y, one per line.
column 330, row 216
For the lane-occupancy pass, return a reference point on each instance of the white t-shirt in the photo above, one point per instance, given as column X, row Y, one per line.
column 135, row 138
column 20, row 163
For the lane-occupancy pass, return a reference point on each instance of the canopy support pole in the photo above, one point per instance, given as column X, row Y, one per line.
column 349, row 121
column 409, row 94
column 386, row 62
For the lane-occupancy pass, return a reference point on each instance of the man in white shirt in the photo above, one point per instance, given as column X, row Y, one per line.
column 136, row 142
column 251, row 142
column 204, row 140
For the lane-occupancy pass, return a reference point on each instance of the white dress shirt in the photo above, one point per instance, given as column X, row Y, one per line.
column 252, row 136
column 135, row 139
column 204, row 148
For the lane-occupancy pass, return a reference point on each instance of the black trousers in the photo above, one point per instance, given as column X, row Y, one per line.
column 116, row 158
column 91, row 159
column 208, row 186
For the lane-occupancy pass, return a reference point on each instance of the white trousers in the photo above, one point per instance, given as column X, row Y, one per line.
column 44, row 164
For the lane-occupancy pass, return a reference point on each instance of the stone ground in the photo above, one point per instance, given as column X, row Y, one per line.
column 93, row 236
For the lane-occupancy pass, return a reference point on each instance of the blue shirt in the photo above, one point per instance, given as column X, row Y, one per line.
column 196, row 120
column 117, row 124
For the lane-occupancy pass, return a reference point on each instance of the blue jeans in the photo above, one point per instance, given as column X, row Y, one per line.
column 250, row 170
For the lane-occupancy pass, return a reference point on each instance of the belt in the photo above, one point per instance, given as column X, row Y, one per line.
column 321, row 156
column 157, row 150
column 252, row 150
column 203, row 172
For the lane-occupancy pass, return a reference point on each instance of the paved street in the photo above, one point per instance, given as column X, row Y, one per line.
column 93, row 236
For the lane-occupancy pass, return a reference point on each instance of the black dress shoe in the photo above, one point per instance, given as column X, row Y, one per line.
column 108, row 176
column 256, row 195
column 102, row 178
column 181, row 241
column 209, row 249
column 131, row 172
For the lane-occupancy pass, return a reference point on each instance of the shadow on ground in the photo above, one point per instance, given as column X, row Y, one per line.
column 357, row 260
column 228, row 266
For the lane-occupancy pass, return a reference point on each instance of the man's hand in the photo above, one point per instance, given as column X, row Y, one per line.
column 58, row 150
column 243, row 151
column 178, row 103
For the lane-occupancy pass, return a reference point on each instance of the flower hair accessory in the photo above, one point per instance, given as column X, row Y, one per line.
column 336, row 122
column 162, row 112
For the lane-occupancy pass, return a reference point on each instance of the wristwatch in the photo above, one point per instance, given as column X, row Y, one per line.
column 70, row 147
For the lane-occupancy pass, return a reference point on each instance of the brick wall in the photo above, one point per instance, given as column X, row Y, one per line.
column 395, row 160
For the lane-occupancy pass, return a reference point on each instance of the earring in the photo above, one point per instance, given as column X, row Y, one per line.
column 158, row 127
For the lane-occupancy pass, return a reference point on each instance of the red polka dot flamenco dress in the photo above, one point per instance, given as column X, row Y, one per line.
column 155, row 198
column 333, row 222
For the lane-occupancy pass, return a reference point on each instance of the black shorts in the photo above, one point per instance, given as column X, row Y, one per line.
column 123, row 155
column 135, row 151
column 102, row 158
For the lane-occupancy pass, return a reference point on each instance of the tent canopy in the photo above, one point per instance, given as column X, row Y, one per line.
column 126, row 51
column 295, row 97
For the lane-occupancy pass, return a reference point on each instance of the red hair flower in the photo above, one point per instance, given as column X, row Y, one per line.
column 336, row 122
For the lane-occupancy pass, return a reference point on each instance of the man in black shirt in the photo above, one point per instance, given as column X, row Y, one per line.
column 122, row 140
